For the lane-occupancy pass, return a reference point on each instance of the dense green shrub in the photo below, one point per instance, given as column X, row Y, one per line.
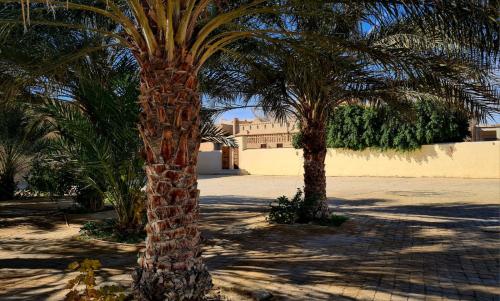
column 53, row 179
column 357, row 127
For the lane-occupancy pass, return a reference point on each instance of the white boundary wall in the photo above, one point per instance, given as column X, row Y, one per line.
column 209, row 162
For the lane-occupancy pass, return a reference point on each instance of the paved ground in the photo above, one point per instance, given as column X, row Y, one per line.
column 407, row 239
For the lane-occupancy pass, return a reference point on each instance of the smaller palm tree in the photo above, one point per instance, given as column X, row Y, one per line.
column 364, row 53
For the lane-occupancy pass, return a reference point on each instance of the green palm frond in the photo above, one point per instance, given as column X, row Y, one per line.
column 210, row 132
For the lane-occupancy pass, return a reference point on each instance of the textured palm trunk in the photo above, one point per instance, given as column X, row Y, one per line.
column 314, row 148
column 171, row 267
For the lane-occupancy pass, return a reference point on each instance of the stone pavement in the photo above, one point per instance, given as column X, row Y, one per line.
column 407, row 239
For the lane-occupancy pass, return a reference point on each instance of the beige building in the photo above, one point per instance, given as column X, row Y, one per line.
column 257, row 133
column 266, row 134
column 485, row 132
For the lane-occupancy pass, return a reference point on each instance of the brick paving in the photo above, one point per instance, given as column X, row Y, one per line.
column 407, row 239
column 407, row 244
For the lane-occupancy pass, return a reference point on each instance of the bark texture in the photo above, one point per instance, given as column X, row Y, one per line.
column 171, row 267
column 314, row 149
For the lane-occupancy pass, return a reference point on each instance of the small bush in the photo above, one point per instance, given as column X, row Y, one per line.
column 286, row 211
column 87, row 277
column 108, row 230
column 297, row 210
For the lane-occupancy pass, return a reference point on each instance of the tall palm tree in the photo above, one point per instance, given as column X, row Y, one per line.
column 171, row 40
column 170, row 46
column 355, row 53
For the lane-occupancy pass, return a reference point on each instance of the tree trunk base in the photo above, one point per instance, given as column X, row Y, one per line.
column 322, row 211
column 182, row 285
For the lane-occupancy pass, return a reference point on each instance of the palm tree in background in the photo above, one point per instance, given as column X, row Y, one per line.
column 19, row 141
column 353, row 53
column 171, row 40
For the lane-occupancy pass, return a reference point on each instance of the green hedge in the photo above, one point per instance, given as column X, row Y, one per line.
column 357, row 127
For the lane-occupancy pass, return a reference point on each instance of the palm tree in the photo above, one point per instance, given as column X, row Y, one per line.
column 19, row 141
column 354, row 52
column 171, row 40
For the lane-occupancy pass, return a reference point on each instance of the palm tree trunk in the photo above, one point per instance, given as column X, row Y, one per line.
column 314, row 148
column 171, row 267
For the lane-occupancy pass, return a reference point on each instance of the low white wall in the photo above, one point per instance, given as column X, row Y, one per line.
column 209, row 162
column 454, row 160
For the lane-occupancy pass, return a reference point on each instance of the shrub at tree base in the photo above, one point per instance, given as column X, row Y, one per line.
column 297, row 210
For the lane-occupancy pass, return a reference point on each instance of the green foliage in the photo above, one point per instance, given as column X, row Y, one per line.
column 357, row 127
column 19, row 140
column 53, row 179
column 89, row 198
column 286, row 211
column 88, row 269
column 297, row 209
column 109, row 230
column 297, row 140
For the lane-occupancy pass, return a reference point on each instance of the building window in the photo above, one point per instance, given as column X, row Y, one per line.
column 217, row 146
column 263, row 145
column 279, row 145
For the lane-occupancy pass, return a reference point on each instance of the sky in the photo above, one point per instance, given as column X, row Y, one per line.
column 249, row 114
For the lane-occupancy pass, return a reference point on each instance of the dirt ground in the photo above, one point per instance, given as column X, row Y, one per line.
column 407, row 239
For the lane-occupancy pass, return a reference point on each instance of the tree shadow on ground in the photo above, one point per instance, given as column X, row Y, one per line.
column 383, row 252
column 43, row 273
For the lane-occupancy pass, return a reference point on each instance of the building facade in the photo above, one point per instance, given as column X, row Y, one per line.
column 257, row 133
